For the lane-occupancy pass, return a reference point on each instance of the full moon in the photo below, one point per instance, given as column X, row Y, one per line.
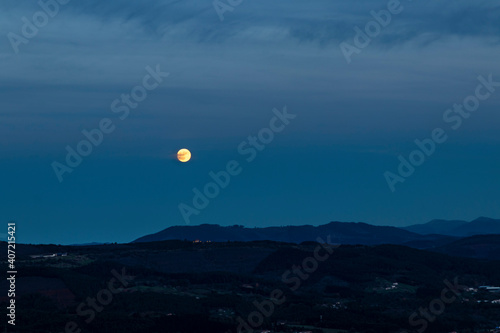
column 183, row 155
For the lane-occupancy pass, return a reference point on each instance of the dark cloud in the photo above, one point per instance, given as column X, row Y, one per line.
column 321, row 22
column 421, row 23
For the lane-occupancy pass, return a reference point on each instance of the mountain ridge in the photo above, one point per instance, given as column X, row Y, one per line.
column 457, row 228
column 444, row 236
column 339, row 232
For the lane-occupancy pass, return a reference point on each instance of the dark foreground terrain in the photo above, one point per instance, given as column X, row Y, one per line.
column 185, row 286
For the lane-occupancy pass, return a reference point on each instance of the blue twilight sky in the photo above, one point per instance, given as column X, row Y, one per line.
column 352, row 120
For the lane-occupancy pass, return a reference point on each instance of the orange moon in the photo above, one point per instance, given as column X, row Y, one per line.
column 183, row 155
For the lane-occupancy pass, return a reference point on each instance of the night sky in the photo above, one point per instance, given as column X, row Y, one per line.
column 348, row 125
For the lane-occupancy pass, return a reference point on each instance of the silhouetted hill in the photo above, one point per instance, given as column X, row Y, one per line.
column 431, row 241
column 480, row 226
column 340, row 232
column 435, row 227
column 481, row 247
column 355, row 264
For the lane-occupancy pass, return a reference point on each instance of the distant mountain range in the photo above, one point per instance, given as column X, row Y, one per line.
column 439, row 235
column 334, row 232
column 480, row 226
column 339, row 232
